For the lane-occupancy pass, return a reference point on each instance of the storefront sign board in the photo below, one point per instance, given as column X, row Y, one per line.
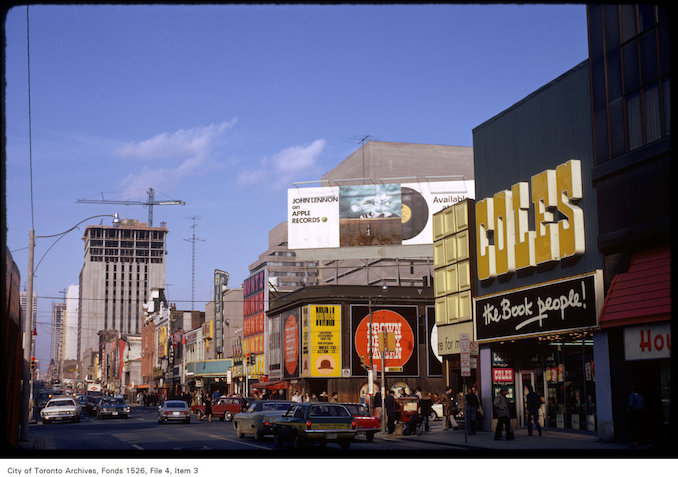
column 561, row 305
column 651, row 341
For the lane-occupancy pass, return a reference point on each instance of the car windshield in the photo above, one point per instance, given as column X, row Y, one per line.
column 111, row 401
column 325, row 410
column 276, row 406
column 61, row 402
column 357, row 409
column 175, row 404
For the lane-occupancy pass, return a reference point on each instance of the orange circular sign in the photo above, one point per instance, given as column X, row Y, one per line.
column 291, row 345
column 391, row 322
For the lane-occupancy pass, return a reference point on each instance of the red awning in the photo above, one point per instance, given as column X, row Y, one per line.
column 270, row 385
column 643, row 293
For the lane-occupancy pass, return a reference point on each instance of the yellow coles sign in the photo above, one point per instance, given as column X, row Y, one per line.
column 321, row 341
column 559, row 223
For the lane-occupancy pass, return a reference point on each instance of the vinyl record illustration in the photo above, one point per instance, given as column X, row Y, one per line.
column 414, row 214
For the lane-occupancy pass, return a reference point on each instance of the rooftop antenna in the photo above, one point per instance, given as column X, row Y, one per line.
column 193, row 239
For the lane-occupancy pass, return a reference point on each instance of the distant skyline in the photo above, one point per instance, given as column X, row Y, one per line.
column 225, row 106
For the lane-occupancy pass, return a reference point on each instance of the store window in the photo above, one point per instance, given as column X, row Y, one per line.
column 570, row 382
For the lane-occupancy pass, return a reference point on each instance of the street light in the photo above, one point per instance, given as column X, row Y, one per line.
column 27, row 388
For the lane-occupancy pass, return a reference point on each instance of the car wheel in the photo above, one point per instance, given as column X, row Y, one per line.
column 238, row 432
column 277, row 440
column 160, row 421
column 187, row 421
column 369, row 436
column 76, row 419
column 99, row 416
column 299, row 442
column 345, row 445
column 45, row 422
column 228, row 416
column 259, row 435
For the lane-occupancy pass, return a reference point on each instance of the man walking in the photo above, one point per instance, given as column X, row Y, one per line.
column 389, row 404
column 472, row 405
column 533, row 404
column 503, row 414
column 448, row 410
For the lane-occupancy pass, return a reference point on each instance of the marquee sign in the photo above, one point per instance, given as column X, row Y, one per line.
column 561, row 305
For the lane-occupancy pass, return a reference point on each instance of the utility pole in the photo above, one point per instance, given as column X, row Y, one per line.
column 193, row 239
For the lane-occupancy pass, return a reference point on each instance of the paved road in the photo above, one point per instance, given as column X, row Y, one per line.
column 141, row 434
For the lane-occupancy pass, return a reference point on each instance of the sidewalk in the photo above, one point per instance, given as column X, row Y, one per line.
column 554, row 442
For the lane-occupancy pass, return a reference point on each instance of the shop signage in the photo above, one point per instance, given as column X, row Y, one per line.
column 502, row 375
column 402, row 321
column 651, row 341
column 465, row 355
column 291, row 345
column 555, row 306
column 504, row 217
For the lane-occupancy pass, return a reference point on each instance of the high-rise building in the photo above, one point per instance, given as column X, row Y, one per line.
column 71, row 333
column 58, row 332
column 123, row 263
column 24, row 303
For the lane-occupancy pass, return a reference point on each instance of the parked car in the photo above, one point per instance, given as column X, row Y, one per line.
column 258, row 419
column 174, row 411
column 365, row 423
column 112, row 407
column 225, row 407
column 60, row 409
column 319, row 422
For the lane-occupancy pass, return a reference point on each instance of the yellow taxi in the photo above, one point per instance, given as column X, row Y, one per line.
column 319, row 422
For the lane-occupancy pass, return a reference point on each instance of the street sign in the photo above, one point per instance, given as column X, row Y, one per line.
column 465, row 356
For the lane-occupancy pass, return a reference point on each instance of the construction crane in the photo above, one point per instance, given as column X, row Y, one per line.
column 149, row 203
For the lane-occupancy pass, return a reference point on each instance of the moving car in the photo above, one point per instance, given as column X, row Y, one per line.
column 82, row 400
column 225, row 407
column 112, row 407
column 258, row 419
column 60, row 409
column 365, row 423
column 320, row 422
column 174, row 411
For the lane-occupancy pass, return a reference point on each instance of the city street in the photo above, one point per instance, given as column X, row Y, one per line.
column 141, row 436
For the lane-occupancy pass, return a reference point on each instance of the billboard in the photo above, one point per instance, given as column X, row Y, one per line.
column 369, row 215
column 403, row 321
column 320, row 341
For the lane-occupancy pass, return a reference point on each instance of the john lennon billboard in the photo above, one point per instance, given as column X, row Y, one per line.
column 369, row 215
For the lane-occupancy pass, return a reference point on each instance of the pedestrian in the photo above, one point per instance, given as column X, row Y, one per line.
column 389, row 404
column 435, row 398
column 448, row 410
column 533, row 404
column 503, row 415
column 636, row 410
column 323, row 397
column 307, row 397
column 425, row 408
column 296, row 397
column 376, row 405
column 335, row 397
column 208, row 409
column 419, row 392
column 472, row 405
column 314, row 398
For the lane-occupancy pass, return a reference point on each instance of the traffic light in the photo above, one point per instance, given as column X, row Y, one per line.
column 253, row 359
column 247, row 359
column 34, row 364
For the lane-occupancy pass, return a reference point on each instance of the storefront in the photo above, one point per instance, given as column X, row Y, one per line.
column 542, row 336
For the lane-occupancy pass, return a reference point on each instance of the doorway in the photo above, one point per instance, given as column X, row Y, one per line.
column 534, row 378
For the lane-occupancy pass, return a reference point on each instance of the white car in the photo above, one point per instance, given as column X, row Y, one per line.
column 61, row 409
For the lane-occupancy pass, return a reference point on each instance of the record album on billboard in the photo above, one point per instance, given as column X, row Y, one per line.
column 369, row 215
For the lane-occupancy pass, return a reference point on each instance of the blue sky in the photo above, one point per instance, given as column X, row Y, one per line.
column 224, row 107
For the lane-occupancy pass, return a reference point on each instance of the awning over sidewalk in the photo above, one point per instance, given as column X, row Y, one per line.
column 142, row 386
column 270, row 385
column 643, row 293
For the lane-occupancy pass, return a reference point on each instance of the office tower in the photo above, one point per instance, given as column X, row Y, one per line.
column 123, row 263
